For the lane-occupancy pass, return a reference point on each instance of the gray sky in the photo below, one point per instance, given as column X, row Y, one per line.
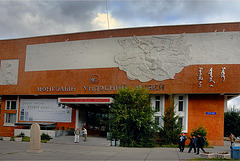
column 28, row 18
column 234, row 103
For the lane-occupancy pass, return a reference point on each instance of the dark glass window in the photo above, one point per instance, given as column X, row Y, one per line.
column 8, row 105
column 157, row 106
column 157, row 103
column 157, row 120
column 180, row 106
column 11, row 105
column 180, row 103
column 180, row 121
column 10, row 118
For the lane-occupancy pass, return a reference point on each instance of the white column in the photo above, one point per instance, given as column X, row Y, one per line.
column 77, row 119
column 225, row 103
column 17, row 107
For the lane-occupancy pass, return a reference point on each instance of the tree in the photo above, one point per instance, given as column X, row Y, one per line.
column 169, row 133
column 131, row 118
column 231, row 123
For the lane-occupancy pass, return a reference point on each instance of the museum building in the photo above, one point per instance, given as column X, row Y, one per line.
column 63, row 81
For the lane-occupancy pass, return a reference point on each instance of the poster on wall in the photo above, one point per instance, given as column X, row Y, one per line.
column 44, row 110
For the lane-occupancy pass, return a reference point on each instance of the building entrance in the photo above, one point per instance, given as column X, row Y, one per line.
column 97, row 120
column 92, row 111
column 95, row 117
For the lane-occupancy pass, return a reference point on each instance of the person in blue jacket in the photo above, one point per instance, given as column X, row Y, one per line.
column 182, row 140
column 193, row 144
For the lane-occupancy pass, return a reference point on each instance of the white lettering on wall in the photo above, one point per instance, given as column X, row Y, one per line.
column 210, row 73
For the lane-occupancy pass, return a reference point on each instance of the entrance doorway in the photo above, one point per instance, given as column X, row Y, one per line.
column 92, row 111
column 97, row 120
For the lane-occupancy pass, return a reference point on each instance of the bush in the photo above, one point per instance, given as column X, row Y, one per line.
column 26, row 139
column 200, row 131
column 44, row 141
column 45, row 137
column 21, row 135
column 12, row 138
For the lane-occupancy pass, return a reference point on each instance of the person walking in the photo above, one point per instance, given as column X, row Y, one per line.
column 76, row 133
column 182, row 140
column 193, row 144
column 84, row 131
column 84, row 126
column 200, row 143
column 232, row 138
column 85, row 134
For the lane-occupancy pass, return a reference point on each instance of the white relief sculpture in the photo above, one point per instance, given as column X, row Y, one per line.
column 223, row 73
column 157, row 58
column 9, row 72
column 143, row 58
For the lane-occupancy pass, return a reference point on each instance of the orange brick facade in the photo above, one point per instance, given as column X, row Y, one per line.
column 39, row 84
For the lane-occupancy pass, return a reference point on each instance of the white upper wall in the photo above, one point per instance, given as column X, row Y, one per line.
column 143, row 58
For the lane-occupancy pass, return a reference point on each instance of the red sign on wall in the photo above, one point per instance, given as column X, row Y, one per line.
column 86, row 100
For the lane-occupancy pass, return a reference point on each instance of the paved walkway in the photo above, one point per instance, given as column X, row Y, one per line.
column 63, row 148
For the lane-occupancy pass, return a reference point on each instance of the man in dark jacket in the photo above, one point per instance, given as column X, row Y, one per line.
column 182, row 140
column 200, row 143
column 193, row 144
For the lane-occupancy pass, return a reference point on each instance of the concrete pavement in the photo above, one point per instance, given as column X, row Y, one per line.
column 63, row 148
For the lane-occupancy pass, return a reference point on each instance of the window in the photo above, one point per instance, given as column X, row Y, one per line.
column 157, row 103
column 181, row 109
column 10, row 118
column 157, row 121
column 180, row 121
column 11, row 105
column 180, row 103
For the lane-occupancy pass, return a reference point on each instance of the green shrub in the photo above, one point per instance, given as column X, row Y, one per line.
column 44, row 141
column 21, row 134
column 45, row 137
column 200, row 131
column 12, row 138
column 26, row 139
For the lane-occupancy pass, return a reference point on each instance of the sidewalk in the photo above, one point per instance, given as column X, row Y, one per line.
column 97, row 149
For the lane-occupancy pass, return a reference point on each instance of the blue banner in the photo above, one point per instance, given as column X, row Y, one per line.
column 211, row 113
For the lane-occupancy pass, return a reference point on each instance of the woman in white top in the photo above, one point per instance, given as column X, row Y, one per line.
column 85, row 133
